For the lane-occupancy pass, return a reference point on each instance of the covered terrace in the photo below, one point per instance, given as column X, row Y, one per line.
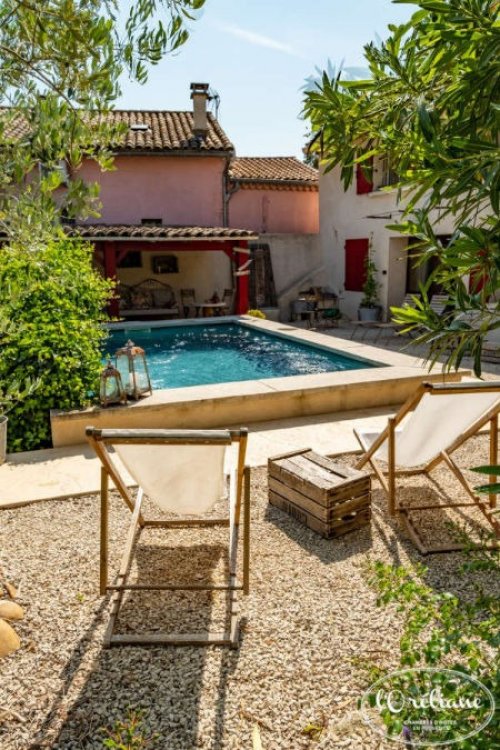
column 172, row 258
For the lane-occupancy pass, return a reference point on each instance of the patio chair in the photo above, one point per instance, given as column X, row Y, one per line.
column 228, row 298
column 182, row 472
column 438, row 419
column 439, row 303
column 188, row 302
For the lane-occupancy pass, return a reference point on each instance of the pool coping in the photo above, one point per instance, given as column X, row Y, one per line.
column 247, row 401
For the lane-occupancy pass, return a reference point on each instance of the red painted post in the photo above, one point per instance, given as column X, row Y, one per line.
column 110, row 273
column 242, row 279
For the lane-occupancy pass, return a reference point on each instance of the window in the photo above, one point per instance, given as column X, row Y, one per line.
column 383, row 174
column 356, row 253
column 151, row 222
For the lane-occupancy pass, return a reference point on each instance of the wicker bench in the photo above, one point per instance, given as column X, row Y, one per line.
column 149, row 298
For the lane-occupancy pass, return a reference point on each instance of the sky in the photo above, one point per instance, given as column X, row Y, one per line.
column 257, row 55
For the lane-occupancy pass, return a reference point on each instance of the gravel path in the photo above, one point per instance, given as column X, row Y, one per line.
column 311, row 629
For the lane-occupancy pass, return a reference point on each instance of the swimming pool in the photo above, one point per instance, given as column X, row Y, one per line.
column 190, row 355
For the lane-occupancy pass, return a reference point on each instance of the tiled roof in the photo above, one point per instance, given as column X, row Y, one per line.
column 155, row 131
column 167, row 131
column 272, row 169
column 146, row 231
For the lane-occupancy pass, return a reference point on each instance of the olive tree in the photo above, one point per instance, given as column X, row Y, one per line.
column 431, row 105
column 60, row 68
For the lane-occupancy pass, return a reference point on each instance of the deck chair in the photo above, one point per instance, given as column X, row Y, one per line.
column 181, row 471
column 438, row 419
column 439, row 303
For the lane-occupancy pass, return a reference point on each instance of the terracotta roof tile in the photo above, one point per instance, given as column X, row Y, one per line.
column 272, row 169
column 164, row 131
column 132, row 231
column 167, row 131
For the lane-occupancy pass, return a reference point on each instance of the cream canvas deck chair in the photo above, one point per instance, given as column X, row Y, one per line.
column 428, row 428
column 182, row 472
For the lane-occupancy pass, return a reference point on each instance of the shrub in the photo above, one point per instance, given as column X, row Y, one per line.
column 55, row 300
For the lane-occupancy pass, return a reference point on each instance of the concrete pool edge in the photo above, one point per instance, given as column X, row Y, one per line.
column 244, row 402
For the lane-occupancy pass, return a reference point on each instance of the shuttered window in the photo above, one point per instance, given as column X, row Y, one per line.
column 364, row 177
column 356, row 253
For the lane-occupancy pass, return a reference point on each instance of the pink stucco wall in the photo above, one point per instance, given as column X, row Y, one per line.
column 181, row 190
column 275, row 211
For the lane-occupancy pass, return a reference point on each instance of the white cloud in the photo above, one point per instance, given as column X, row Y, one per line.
column 258, row 40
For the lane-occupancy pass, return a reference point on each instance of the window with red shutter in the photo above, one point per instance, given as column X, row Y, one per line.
column 364, row 177
column 356, row 253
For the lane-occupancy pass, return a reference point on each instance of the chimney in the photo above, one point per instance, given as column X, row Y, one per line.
column 200, row 97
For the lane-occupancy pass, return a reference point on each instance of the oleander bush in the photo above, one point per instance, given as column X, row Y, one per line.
column 54, row 300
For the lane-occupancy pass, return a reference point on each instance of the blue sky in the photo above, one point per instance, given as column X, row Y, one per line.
column 257, row 54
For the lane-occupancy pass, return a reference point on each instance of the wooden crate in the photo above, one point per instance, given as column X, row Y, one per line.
column 325, row 495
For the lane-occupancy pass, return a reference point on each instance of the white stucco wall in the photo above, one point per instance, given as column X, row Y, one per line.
column 346, row 215
column 297, row 264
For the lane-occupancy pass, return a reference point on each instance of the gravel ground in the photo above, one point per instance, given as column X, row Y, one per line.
column 311, row 627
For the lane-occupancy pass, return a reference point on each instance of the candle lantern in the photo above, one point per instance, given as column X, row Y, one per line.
column 133, row 368
column 111, row 389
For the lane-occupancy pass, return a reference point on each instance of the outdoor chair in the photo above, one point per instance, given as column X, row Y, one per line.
column 438, row 419
column 181, row 472
column 228, row 298
column 439, row 303
column 188, row 302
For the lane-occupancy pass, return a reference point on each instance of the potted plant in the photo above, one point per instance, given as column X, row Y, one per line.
column 370, row 308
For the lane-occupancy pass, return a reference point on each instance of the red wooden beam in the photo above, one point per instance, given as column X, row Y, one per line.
column 110, row 273
column 242, row 278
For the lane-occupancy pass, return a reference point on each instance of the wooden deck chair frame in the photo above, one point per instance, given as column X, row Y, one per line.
column 389, row 483
column 101, row 440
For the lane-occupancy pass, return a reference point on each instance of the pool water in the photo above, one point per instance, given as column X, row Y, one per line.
column 186, row 355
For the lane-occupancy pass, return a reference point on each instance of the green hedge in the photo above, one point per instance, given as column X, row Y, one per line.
column 55, row 300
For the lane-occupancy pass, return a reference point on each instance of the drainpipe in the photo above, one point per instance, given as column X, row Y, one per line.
column 227, row 192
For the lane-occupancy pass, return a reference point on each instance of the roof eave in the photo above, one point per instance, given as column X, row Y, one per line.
column 260, row 181
column 223, row 153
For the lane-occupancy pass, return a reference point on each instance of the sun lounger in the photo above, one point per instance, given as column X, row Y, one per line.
column 428, row 428
column 182, row 472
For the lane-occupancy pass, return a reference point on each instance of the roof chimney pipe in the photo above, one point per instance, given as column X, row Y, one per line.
column 200, row 97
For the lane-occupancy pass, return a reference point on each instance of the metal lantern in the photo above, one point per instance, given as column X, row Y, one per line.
column 111, row 389
column 133, row 368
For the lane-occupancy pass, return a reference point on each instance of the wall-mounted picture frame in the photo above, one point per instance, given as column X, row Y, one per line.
column 161, row 264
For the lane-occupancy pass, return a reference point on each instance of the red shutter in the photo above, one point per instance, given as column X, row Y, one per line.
column 364, row 182
column 478, row 276
column 356, row 253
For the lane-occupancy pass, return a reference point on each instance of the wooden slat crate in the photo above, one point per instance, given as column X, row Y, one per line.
column 325, row 495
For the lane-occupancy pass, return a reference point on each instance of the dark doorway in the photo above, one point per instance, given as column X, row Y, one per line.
column 418, row 273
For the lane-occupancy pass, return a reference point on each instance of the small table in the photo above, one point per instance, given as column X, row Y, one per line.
column 207, row 308
column 325, row 495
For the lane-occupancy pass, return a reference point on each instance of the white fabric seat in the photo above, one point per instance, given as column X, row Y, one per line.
column 183, row 479
column 436, row 422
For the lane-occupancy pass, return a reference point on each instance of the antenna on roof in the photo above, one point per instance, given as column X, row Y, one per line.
column 214, row 99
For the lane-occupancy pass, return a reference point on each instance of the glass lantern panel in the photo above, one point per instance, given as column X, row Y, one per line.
column 141, row 370
column 124, row 367
column 112, row 388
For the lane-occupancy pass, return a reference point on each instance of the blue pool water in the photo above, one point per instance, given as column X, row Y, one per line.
column 184, row 355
